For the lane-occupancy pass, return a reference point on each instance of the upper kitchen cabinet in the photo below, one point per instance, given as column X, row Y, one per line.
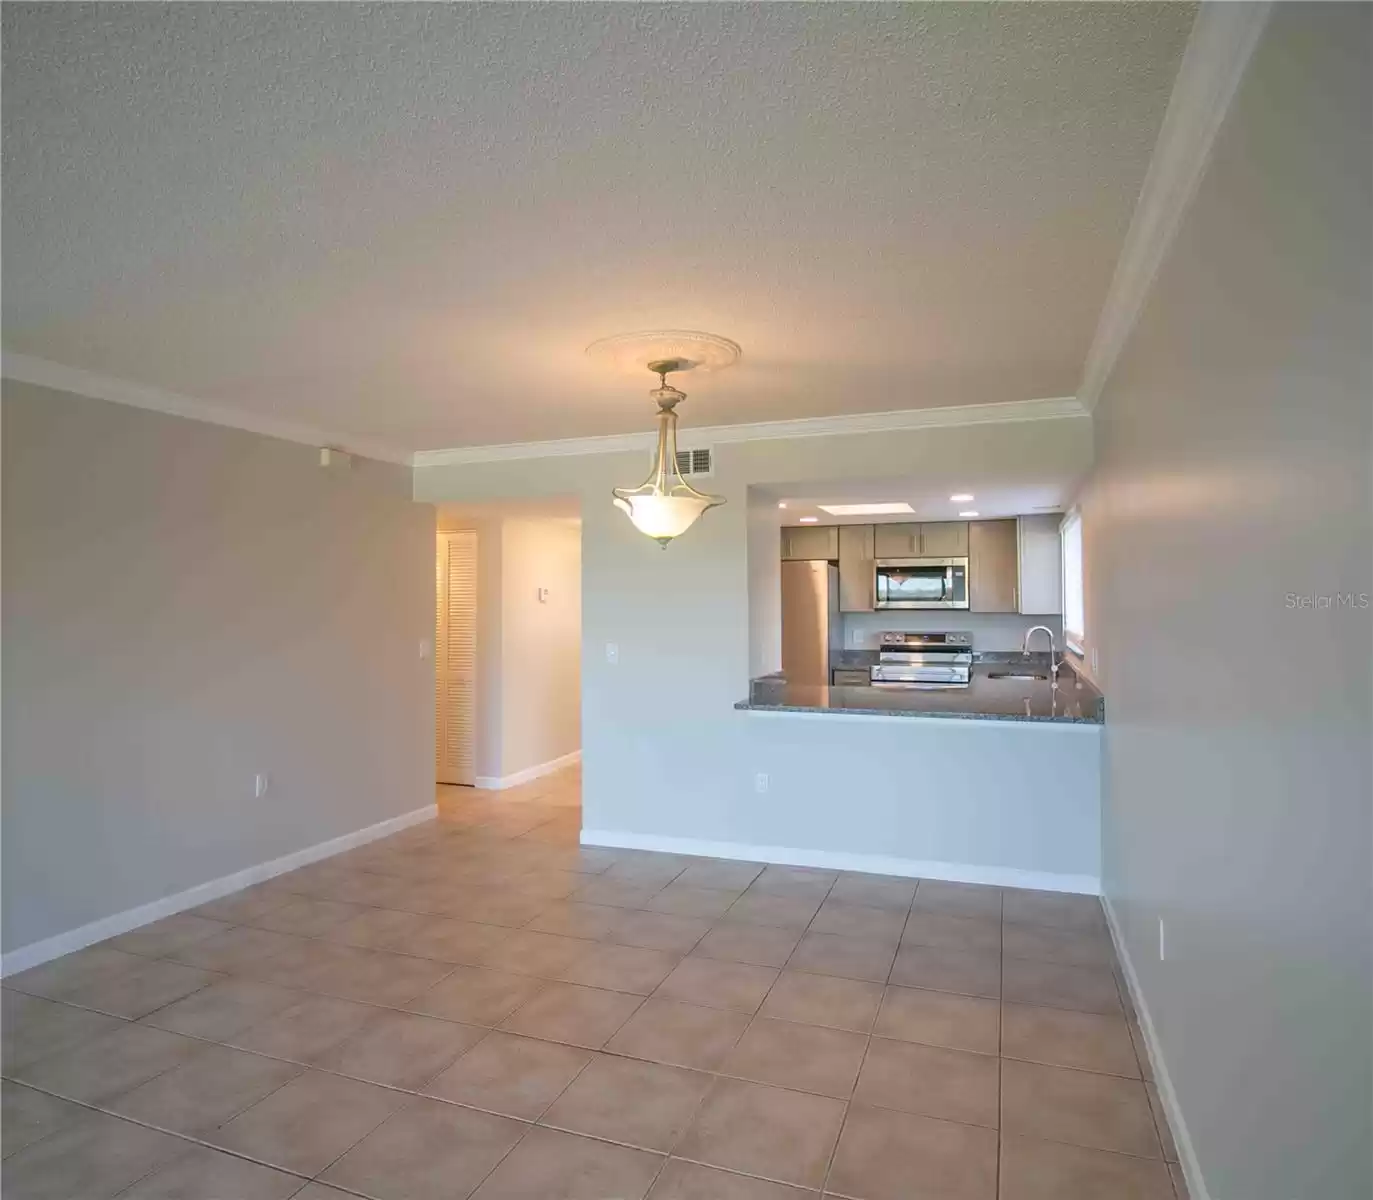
column 856, row 555
column 810, row 541
column 1041, row 565
column 932, row 539
column 944, row 539
column 993, row 566
column 898, row 540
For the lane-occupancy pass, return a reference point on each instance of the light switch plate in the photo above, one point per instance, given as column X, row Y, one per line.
column 612, row 652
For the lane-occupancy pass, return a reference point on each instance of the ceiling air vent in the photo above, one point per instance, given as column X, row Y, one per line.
column 695, row 462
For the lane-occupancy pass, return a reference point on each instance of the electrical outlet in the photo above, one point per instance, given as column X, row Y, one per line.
column 1162, row 942
column 426, row 649
column 261, row 782
column 612, row 652
column 760, row 782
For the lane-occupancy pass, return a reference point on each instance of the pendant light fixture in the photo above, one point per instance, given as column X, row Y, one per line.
column 665, row 506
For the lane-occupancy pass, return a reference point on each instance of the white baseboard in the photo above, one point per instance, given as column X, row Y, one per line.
column 37, row 953
column 835, row 860
column 1187, row 1155
column 538, row 771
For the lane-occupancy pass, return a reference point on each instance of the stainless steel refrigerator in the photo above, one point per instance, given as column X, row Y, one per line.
column 810, row 620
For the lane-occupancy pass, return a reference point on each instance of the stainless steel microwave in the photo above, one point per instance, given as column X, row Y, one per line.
column 921, row 583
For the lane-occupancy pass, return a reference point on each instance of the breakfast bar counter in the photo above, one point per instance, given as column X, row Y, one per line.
column 1002, row 690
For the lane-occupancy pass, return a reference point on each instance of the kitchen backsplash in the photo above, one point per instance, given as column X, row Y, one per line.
column 991, row 631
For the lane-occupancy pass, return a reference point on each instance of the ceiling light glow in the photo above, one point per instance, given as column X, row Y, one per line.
column 970, row 513
column 960, row 497
column 865, row 510
column 809, row 520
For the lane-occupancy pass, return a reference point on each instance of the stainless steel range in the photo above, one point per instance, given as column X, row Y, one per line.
column 924, row 660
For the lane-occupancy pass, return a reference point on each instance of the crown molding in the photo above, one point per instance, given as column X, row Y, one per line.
column 24, row 368
column 1056, row 408
column 1218, row 50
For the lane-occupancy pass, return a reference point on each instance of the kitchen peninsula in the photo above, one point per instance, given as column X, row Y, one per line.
column 898, row 725
column 1008, row 688
column 953, row 783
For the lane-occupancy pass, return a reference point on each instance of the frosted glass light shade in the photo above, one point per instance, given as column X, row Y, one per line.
column 663, row 517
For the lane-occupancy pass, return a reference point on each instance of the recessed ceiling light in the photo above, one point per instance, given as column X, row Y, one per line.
column 782, row 504
column 809, row 520
column 961, row 497
column 971, row 513
column 864, row 510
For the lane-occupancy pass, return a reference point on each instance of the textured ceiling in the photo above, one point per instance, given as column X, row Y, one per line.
column 406, row 221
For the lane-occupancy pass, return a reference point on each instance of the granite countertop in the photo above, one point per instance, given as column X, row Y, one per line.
column 1074, row 702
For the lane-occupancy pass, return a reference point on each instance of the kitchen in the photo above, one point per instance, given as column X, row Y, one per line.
column 950, row 618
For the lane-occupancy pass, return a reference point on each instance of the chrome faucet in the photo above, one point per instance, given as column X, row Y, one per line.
column 1025, row 650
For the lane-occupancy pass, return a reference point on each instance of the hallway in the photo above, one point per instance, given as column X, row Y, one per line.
column 479, row 1006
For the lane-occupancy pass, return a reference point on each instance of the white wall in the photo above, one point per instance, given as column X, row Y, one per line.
column 664, row 751
column 1234, row 442
column 991, row 631
column 1001, row 802
column 186, row 606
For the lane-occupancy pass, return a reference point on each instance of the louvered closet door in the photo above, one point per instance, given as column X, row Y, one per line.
column 455, row 658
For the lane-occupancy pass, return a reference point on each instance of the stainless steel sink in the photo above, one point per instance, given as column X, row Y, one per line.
column 1016, row 675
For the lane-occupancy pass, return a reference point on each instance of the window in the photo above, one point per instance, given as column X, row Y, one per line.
column 1074, row 618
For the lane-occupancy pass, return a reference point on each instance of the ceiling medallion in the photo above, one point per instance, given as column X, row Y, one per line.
column 665, row 506
column 696, row 351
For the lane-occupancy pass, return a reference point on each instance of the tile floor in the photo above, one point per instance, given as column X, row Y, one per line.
column 480, row 1007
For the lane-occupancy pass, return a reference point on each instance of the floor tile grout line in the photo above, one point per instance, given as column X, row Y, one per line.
column 700, row 1162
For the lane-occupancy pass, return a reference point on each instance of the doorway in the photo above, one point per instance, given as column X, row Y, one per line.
column 507, row 643
column 455, row 658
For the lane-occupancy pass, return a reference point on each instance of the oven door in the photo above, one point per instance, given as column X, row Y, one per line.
column 921, row 583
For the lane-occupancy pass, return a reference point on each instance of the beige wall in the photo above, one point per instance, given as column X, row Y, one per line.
column 1234, row 442
column 186, row 606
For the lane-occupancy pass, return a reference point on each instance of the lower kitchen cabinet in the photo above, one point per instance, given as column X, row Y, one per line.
column 852, row 677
